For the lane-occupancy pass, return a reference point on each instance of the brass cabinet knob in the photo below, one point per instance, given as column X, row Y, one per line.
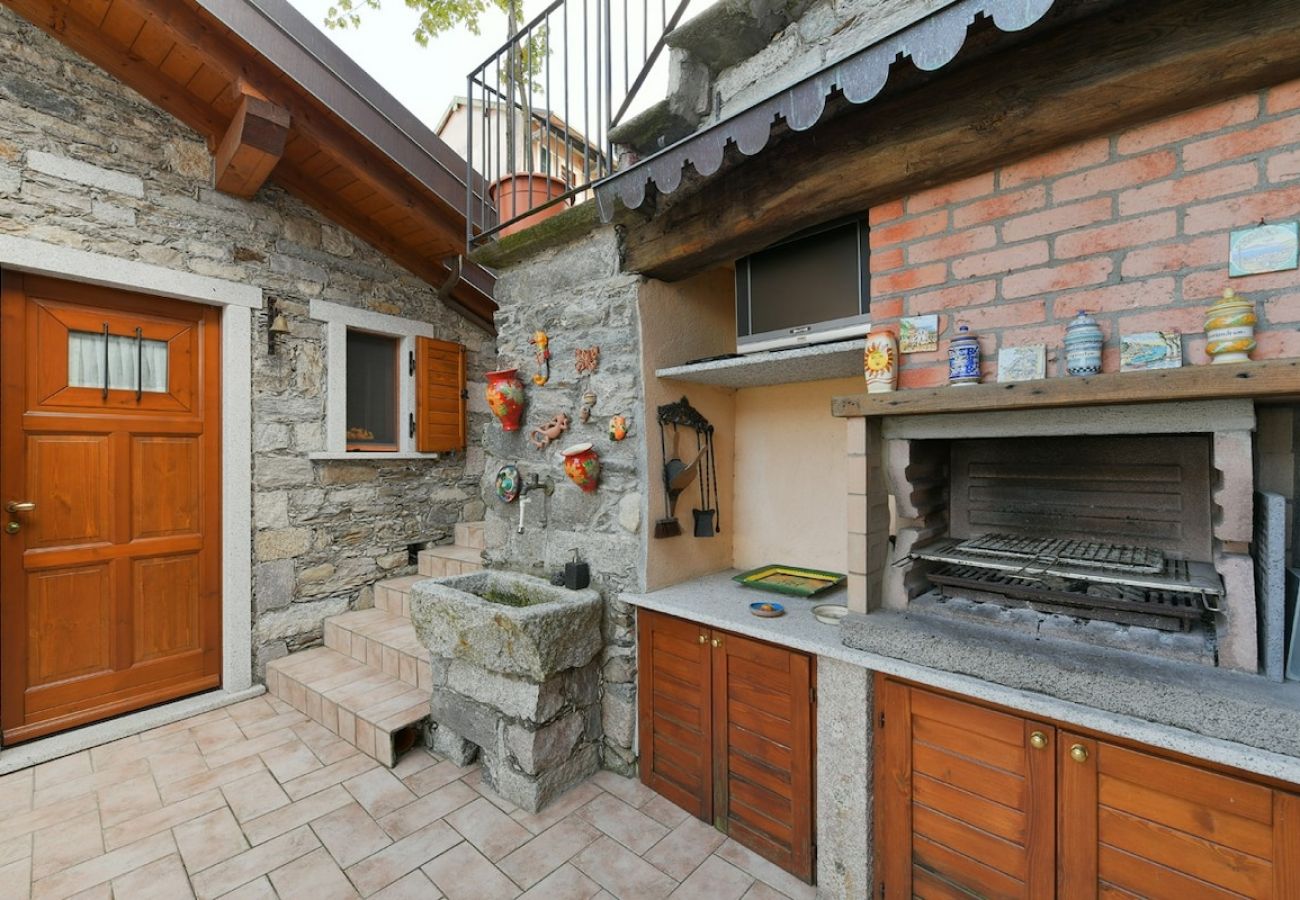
column 717, row 642
column 1038, row 740
column 704, row 639
column 1079, row 753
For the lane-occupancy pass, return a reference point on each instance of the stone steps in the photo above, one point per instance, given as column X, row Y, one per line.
column 380, row 715
column 461, row 558
column 382, row 641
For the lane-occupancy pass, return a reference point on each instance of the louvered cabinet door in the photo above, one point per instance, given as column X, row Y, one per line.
column 966, row 799
column 763, row 749
column 674, row 709
column 1137, row 825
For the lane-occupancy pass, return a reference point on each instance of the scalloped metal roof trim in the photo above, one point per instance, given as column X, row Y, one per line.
column 930, row 43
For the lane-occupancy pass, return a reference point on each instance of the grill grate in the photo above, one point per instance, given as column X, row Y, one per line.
column 1093, row 554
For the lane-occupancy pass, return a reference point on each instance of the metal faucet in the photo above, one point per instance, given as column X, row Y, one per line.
column 547, row 488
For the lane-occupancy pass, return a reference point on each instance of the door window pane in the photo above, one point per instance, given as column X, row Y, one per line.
column 372, row 392
column 130, row 362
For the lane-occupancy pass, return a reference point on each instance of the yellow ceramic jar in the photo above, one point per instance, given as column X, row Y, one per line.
column 1230, row 328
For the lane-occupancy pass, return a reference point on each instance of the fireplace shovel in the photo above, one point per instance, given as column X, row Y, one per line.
column 677, row 477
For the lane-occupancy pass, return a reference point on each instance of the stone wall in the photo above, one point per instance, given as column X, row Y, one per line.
column 578, row 295
column 87, row 163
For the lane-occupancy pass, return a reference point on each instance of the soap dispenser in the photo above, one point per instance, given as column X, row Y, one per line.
column 577, row 574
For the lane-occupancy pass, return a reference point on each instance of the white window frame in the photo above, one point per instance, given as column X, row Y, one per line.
column 338, row 319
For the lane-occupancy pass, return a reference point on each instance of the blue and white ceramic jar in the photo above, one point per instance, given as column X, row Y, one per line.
column 1083, row 342
column 964, row 357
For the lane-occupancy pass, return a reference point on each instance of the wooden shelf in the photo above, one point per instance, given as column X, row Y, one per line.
column 1276, row 379
column 819, row 362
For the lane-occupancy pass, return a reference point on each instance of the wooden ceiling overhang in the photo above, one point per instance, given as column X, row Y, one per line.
column 274, row 98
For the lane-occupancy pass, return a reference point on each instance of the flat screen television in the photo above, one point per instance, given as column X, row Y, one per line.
column 812, row 288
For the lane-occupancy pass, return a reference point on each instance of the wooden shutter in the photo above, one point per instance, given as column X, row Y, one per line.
column 439, row 396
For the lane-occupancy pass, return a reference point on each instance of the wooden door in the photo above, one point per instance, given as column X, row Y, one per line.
column 763, row 749
column 111, row 428
column 675, row 712
column 966, row 796
column 1136, row 824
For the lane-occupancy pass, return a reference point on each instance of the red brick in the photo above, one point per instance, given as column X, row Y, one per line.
column 1108, row 238
column 885, row 212
column 1114, row 298
column 958, row 244
column 884, row 310
column 969, row 293
column 1284, row 166
column 1008, row 259
column 1114, row 177
column 1240, row 211
column 1058, row 218
column 909, row 230
column 1184, row 320
column 1283, row 97
column 910, row 377
column 909, row 279
column 1049, row 335
column 1238, row 144
column 885, row 260
column 1284, row 308
column 1277, row 345
column 1190, row 254
column 1177, row 128
column 947, row 194
column 1058, row 162
column 1188, row 189
column 1057, row 278
column 1000, row 206
column 1004, row 315
column 1210, row 284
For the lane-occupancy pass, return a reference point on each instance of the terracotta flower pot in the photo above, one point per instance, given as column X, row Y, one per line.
column 505, row 397
column 515, row 194
column 582, row 465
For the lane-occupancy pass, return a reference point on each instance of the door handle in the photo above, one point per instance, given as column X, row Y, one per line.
column 17, row 506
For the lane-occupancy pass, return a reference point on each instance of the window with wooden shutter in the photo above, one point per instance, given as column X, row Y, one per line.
column 439, row 396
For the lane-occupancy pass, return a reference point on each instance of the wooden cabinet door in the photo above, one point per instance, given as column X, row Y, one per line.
column 675, row 711
column 763, row 749
column 966, row 796
column 1136, row 824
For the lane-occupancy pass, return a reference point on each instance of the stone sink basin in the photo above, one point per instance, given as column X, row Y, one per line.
column 506, row 622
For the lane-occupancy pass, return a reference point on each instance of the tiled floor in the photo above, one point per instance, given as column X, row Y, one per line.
column 257, row 801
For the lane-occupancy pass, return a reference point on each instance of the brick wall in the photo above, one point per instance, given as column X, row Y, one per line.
column 1132, row 227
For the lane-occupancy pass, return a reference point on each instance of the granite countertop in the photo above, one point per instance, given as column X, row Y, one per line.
column 1239, row 720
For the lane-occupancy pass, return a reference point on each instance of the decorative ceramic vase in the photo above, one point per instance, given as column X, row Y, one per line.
column 582, row 465
column 505, row 397
column 880, row 361
column 1083, row 342
column 1230, row 329
column 964, row 357
column 508, row 484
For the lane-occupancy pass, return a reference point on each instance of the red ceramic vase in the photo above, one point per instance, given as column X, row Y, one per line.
column 582, row 465
column 505, row 397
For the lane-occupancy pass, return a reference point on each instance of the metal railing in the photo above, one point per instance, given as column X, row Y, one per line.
column 540, row 109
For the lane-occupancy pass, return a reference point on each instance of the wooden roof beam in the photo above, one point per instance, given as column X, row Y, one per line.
column 252, row 146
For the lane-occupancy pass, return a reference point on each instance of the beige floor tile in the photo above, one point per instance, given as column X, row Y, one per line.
column 16, row 826
column 621, row 872
column 169, row 816
column 212, row 715
column 665, row 811
column 16, row 791
column 104, row 868
column 98, row 892
column 277, row 722
column 348, row 833
column 163, row 879
column 462, row 873
column 250, row 747
column 16, row 880
column 114, row 753
column 206, row 781
column 312, row 877
column 577, row 796
column 255, row 890
column 629, row 790
column 552, row 848
column 16, row 849
column 436, row 776
column 429, row 808
column 415, row 760
column 278, row 704
column 288, row 761
column 415, row 886
column 715, row 879
column 66, row 844
column 492, row 832
column 251, row 711
column 328, row 747
column 329, row 776
column 475, row 780
column 766, row 872
column 300, row 812
column 63, row 769
column 760, row 891
column 173, row 765
column 252, row 864
column 379, row 792
column 62, row 790
column 684, row 848
column 212, row 736
column 630, row 827
column 565, row 883
column 383, row 868
column 128, row 799
column 209, row 839
column 254, row 795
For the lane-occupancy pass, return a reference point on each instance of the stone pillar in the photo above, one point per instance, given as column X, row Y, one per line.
column 868, row 514
column 845, row 811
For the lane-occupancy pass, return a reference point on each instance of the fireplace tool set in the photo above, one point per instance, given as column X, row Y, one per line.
column 678, row 474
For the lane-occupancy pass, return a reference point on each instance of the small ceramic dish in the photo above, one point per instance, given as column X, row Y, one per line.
column 830, row 613
column 767, row 609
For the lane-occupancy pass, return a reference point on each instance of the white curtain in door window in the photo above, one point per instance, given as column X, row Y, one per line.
column 86, row 362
